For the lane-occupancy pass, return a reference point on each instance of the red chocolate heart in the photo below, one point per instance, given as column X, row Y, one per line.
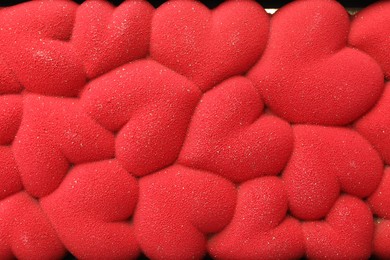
column 209, row 46
column 106, row 37
column 177, row 207
column 53, row 134
column 326, row 160
column 229, row 136
column 150, row 106
column 346, row 233
column 90, row 211
column 307, row 74
column 260, row 228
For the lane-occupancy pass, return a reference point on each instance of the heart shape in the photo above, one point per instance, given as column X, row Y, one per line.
column 208, row 46
column 346, row 233
column 106, row 37
column 151, row 110
column 326, row 160
column 229, row 136
column 260, row 228
column 53, row 134
column 26, row 232
column 308, row 75
column 90, row 208
column 177, row 207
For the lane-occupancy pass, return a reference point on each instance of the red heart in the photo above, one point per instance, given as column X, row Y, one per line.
column 54, row 133
column 326, row 160
column 229, row 136
column 209, row 46
column 307, row 74
column 106, row 37
column 150, row 106
column 259, row 228
column 177, row 207
column 90, row 208
column 346, row 233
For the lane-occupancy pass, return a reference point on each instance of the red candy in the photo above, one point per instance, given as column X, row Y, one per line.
column 90, row 210
column 259, row 228
column 229, row 135
column 208, row 46
column 308, row 75
column 106, row 37
column 346, row 233
column 326, row 160
column 177, row 207
column 151, row 110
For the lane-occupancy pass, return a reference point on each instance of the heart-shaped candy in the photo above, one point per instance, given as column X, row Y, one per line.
column 260, row 228
column 326, row 160
column 209, row 46
column 346, row 233
column 106, row 37
column 91, row 208
column 229, row 136
column 55, row 133
column 150, row 106
column 307, row 74
column 177, row 208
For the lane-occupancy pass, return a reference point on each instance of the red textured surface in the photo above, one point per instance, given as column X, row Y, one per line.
column 183, row 131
